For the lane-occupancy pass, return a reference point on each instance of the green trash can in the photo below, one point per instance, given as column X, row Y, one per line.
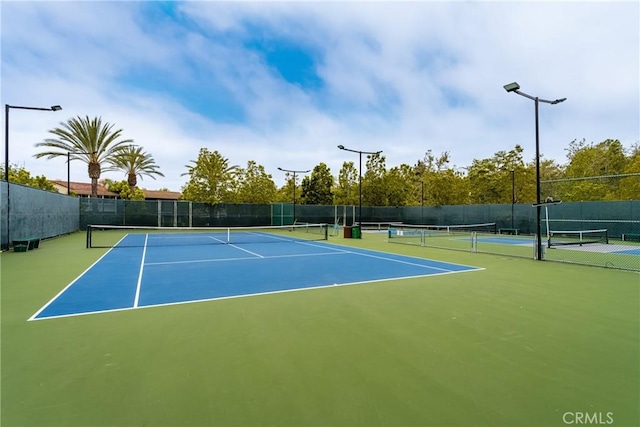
column 355, row 233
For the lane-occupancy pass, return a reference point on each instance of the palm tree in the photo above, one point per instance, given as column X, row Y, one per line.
column 134, row 162
column 88, row 140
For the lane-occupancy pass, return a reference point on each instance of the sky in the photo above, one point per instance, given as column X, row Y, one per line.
column 284, row 83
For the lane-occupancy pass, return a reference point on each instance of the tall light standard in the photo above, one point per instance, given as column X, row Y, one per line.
column 294, row 188
column 515, row 87
column 69, row 153
column 342, row 147
column 7, row 107
column 513, row 196
column 422, row 199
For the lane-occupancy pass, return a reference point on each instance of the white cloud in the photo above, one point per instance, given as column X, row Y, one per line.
column 399, row 77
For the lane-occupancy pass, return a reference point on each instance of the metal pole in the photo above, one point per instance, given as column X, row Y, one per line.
column 294, row 187
column 538, row 237
column 513, row 196
column 515, row 87
column 6, row 151
column 294, row 197
column 422, row 213
column 6, row 143
column 6, row 166
column 360, row 180
column 68, row 173
column 360, row 190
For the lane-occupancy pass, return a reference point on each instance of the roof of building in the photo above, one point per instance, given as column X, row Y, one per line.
column 84, row 189
column 161, row 194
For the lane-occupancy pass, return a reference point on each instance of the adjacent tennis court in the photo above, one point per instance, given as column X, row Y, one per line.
column 155, row 266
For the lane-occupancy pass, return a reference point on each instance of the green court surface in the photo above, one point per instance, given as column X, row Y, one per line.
column 518, row 343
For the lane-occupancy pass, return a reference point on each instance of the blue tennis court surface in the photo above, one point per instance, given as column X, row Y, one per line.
column 155, row 275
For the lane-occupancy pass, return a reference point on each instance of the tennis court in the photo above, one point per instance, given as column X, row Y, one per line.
column 152, row 267
column 252, row 333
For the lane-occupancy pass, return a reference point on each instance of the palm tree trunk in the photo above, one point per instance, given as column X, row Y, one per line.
column 132, row 180
column 94, row 174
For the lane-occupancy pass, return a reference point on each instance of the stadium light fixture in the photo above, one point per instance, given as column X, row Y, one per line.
column 515, row 87
column 360, row 153
column 294, row 172
column 8, row 107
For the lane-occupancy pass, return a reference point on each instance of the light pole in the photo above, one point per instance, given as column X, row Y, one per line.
column 513, row 196
column 360, row 153
column 294, row 188
column 69, row 167
column 422, row 200
column 7, row 107
column 515, row 87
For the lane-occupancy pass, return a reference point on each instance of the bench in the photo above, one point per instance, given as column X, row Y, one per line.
column 514, row 231
column 630, row 236
column 30, row 243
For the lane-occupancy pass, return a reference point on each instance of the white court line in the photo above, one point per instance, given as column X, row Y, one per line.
column 247, row 251
column 329, row 246
column 389, row 259
column 257, row 294
column 74, row 281
column 144, row 253
column 242, row 259
column 237, row 247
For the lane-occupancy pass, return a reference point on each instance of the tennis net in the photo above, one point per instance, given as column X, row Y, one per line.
column 577, row 237
column 109, row 236
column 418, row 234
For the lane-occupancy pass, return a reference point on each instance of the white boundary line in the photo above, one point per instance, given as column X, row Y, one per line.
column 337, row 248
column 139, row 284
column 258, row 294
column 72, row 282
column 247, row 251
column 242, row 258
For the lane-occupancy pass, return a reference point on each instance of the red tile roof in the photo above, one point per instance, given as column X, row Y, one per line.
column 84, row 189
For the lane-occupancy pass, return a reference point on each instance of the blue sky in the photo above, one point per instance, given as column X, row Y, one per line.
column 284, row 83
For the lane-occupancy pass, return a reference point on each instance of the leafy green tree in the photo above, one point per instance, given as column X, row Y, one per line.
column 284, row 194
column 593, row 160
column 346, row 190
column 124, row 190
column 316, row 188
column 135, row 163
column 88, row 140
column 211, row 178
column 491, row 180
column 374, row 192
column 19, row 175
column 399, row 183
column 254, row 185
column 630, row 185
column 443, row 184
column 587, row 160
column 449, row 187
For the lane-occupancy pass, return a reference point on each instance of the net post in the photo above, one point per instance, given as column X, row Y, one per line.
column 88, row 238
